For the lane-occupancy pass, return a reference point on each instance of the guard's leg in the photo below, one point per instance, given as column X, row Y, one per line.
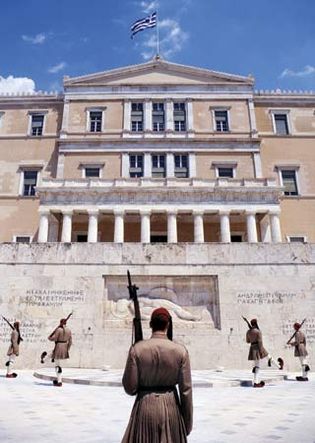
column 305, row 368
column 256, row 371
column 58, row 370
column 9, row 364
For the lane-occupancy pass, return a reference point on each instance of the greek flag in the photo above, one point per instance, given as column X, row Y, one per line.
column 143, row 23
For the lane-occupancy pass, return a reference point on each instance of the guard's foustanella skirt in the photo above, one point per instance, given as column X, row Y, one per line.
column 156, row 418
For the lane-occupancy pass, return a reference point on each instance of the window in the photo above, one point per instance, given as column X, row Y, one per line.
column 297, row 239
column 96, row 121
column 236, row 238
column 289, row 182
column 82, row 238
column 221, row 121
column 22, row 239
column 136, row 165
column 181, row 166
column 158, row 166
column 158, row 238
column 136, row 117
column 29, row 183
column 1, row 118
column 179, row 117
column 37, row 125
column 225, row 172
column 158, row 117
column 92, row 172
column 281, row 124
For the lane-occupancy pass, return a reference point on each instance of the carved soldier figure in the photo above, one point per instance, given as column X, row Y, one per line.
column 300, row 351
column 63, row 340
column 258, row 352
column 153, row 369
column 13, row 350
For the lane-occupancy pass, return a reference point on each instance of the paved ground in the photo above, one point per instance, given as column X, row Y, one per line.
column 34, row 411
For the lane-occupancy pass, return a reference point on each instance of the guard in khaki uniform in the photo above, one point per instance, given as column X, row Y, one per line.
column 63, row 341
column 153, row 370
column 258, row 352
column 300, row 351
column 13, row 350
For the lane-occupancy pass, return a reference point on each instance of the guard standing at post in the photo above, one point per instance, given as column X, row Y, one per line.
column 153, row 370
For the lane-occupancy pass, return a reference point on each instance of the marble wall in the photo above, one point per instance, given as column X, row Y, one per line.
column 207, row 287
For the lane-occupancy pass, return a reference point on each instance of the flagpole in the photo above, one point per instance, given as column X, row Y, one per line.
column 157, row 36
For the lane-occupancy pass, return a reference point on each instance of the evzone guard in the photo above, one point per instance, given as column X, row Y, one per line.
column 63, row 340
column 14, row 347
column 257, row 352
column 153, row 369
column 300, row 351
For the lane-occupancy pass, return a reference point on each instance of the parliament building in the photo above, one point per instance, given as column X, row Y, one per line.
column 155, row 162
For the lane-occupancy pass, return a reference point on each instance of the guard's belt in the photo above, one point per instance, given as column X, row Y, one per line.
column 156, row 388
column 59, row 341
column 254, row 343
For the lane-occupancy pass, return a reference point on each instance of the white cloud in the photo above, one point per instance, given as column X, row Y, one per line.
column 37, row 39
column 172, row 40
column 57, row 68
column 307, row 70
column 16, row 84
column 149, row 6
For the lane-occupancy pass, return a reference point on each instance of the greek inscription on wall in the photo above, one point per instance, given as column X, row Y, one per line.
column 261, row 298
column 51, row 297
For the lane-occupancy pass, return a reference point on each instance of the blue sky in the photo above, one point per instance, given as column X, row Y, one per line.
column 42, row 40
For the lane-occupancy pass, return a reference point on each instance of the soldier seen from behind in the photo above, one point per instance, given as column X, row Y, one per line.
column 154, row 369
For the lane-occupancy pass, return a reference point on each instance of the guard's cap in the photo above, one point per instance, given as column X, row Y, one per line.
column 253, row 322
column 161, row 313
column 297, row 325
column 63, row 321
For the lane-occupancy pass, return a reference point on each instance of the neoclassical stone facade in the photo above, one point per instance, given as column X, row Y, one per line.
column 161, row 156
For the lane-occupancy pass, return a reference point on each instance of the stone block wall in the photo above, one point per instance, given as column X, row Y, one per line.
column 207, row 287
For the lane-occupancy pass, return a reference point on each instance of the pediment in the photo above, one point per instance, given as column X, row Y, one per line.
column 157, row 72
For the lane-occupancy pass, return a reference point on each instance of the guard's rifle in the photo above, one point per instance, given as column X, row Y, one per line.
column 248, row 324
column 44, row 354
column 13, row 328
column 137, row 334
column 293, row 335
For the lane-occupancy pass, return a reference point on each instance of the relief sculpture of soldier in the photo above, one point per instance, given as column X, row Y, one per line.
column 63, row 340
column 300, row 351
column 257, row 352
column 153, row 369
column 14, row 348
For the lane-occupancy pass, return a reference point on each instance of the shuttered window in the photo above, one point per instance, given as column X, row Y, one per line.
column 221, row 121
column 289, row 182
column 37, row 125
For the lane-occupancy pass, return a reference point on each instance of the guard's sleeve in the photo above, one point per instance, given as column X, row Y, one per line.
column 247, row 337
column 70, row 340
column 185, row 392
column 54, row 337
column 130, row 377
column 14, row 341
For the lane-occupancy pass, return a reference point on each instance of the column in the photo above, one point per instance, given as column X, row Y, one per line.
column 275, row 227
column 65, row 118
column 60, row 165
column 127, row 115
column 145, row 226
column 225, row 227
column 170, row 165
column 147, row 165
column 147, row 116
column 199, row 236
column 192, row 165
column 190, row 116
column 93, row 226
column 43, row 227
column 119, row 227
column 66, row 226
column 169, row 116
column 171, row 227
column 125, row 165
column 251, row 227
column 252, row 118
column 257, row 165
